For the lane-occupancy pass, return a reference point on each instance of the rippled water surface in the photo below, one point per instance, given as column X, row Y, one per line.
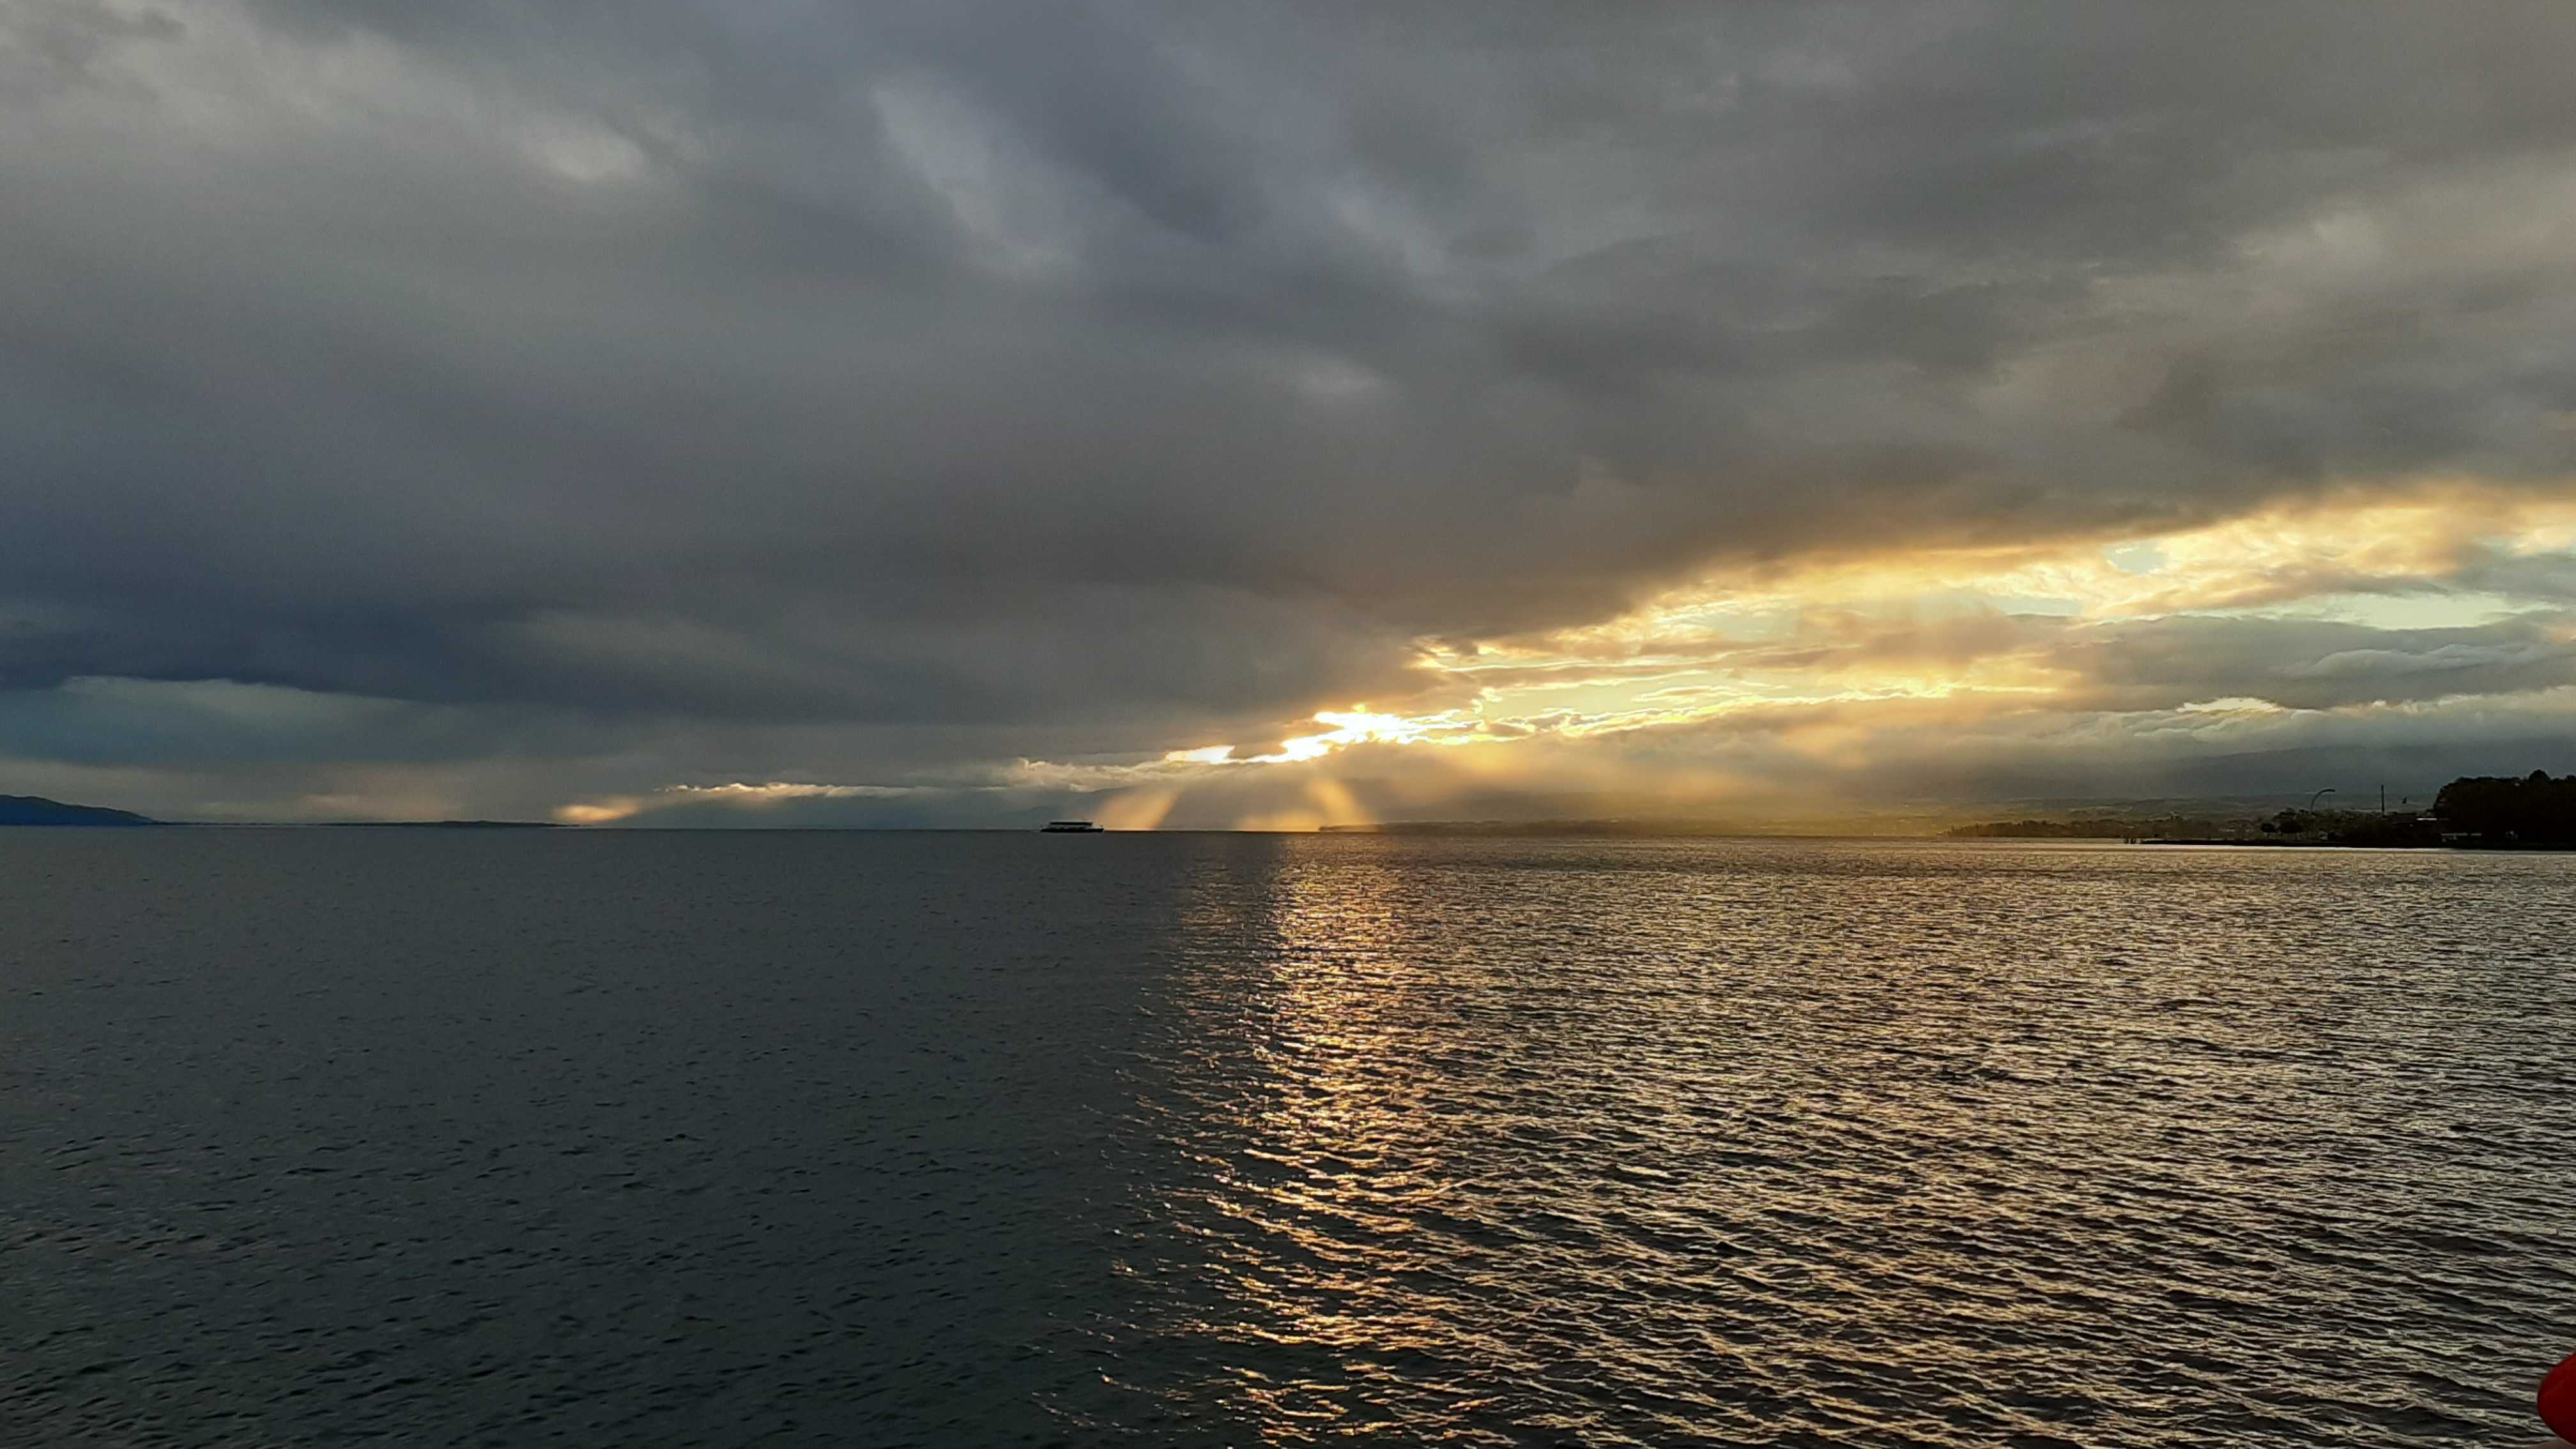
column 455, row 1138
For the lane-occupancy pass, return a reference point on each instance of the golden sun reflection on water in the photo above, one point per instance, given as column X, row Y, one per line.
column 1649, row 1143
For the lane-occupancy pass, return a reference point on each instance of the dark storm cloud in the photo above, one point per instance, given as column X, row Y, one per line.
column 1056, row 371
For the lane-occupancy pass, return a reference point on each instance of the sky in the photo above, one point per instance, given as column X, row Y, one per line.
column 1272, row 415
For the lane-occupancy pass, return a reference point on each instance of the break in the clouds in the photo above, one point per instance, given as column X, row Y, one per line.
column 945, row 411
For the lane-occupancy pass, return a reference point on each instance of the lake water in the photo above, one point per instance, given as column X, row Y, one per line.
column 601, row 1138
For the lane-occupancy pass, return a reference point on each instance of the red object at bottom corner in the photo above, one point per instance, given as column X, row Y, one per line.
column 2558, row 1400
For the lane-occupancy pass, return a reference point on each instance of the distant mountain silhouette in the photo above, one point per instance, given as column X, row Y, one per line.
column 37, row 810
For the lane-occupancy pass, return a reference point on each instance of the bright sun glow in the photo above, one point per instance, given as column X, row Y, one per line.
column 1992, row 631
column 1356, row 725
column 1823, row 655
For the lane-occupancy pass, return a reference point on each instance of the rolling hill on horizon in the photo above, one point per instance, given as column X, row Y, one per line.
column 37, row 810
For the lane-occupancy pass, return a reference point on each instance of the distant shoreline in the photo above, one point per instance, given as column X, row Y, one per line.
column 2541, row 846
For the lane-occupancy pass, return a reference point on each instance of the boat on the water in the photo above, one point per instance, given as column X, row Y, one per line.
column 1068, row 827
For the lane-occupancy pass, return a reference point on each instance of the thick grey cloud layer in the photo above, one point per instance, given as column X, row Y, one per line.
column 757, row 390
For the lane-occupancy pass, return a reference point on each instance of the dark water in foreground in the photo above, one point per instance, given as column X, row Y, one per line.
column 458, row 1138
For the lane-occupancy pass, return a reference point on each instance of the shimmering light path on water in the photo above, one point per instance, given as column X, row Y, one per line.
column 636, row 1139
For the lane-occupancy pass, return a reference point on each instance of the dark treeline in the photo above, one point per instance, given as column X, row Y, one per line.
column 2350, row 827
column 2502, row 810
column 2531, row 810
